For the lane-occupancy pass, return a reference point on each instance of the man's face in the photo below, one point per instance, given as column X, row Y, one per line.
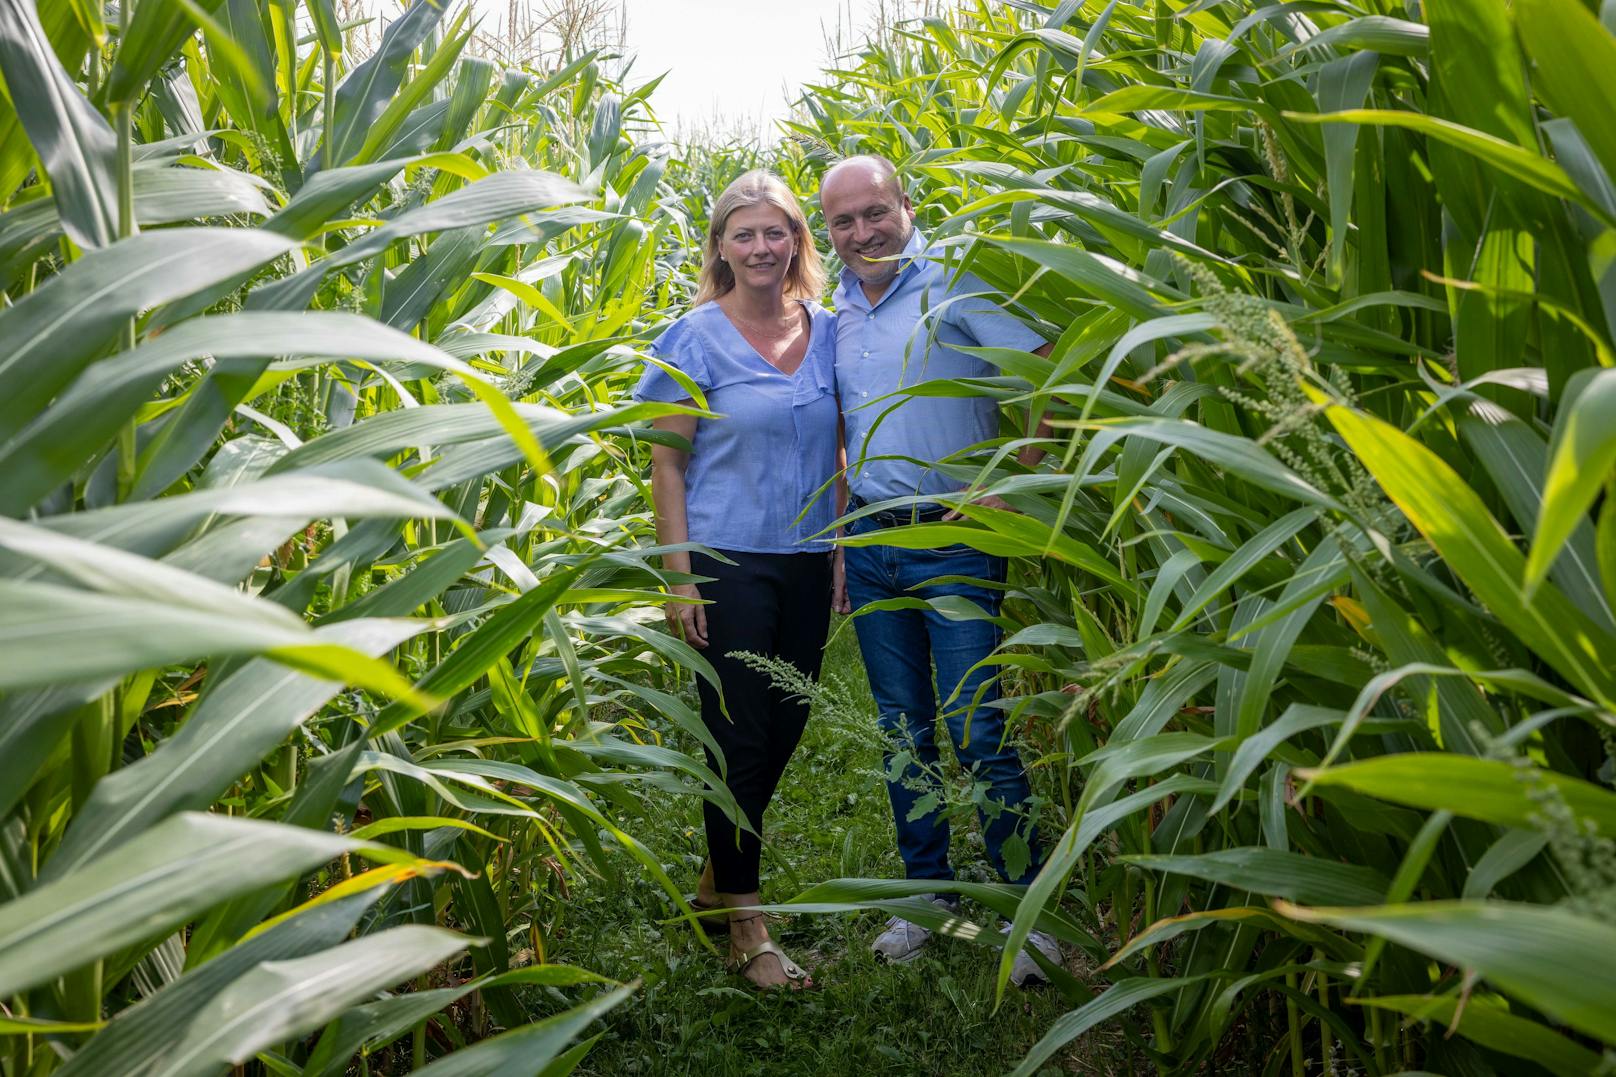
column 869, row 219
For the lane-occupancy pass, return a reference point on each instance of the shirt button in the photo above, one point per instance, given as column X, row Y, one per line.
column 866, row 355
column 870, row 315
column 864, row 394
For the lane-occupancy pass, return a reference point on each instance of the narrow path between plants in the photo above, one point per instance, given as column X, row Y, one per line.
column 830, row 819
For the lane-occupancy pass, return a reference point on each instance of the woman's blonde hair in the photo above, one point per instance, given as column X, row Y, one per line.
column 805, row 277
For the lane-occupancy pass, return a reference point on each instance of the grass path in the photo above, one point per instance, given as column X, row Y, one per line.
column 932, row 1016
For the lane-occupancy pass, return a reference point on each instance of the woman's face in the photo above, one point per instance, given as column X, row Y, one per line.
column 758, row 245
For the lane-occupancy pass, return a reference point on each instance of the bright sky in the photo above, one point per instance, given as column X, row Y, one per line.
column 734, row 63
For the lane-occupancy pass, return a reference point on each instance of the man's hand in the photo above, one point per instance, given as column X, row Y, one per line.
column 991, row 501
column 839, row 602
column 686, row 621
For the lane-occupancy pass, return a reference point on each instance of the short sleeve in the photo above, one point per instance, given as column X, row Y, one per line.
column 680, row 346
column 984, row 321
column 824, row 339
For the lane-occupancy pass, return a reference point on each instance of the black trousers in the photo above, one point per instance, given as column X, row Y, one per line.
column 775, row 604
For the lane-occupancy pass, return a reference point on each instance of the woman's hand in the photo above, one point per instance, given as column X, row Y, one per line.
column 839, row 602
column 688, row 622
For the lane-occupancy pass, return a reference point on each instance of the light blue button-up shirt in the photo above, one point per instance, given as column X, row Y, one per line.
column 911, row 335
column 754, row 469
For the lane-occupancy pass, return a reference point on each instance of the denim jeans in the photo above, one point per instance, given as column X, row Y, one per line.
column 900, row 648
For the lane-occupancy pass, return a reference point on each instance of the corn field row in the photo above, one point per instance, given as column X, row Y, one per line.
column 330, row 645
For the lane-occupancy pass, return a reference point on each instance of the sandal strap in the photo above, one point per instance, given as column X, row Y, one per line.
column 792, row 970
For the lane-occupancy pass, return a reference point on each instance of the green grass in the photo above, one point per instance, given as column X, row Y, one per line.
column 830, row 819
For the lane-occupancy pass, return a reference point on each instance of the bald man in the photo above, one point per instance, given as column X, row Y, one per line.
column 900, row 320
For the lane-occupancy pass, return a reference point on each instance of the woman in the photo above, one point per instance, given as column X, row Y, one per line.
column 762, row 353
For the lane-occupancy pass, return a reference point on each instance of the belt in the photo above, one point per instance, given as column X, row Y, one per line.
column 919, row 514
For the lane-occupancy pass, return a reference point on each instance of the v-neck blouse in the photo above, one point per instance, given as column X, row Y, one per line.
column 765, row 459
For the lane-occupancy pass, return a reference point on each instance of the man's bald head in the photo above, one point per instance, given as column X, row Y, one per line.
column 868, row 215
column 865, row 169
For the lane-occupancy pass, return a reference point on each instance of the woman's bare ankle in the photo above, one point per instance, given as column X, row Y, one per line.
column 748, row 929
column 706, row 890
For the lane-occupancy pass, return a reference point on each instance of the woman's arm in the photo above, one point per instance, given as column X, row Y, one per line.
column 668, row 498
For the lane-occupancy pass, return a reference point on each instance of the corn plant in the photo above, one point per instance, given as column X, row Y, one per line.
column 326, row 579
column 1312, row 636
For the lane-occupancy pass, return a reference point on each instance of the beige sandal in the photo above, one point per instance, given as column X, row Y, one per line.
column 796, row 976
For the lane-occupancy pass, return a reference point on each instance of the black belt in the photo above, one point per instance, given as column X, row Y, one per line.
column 900, row 518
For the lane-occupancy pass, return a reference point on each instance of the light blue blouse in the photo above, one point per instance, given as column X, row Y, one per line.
column 755, row 468
column 912, row 335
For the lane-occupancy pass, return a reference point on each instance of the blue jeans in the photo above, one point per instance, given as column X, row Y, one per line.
column 900, row 647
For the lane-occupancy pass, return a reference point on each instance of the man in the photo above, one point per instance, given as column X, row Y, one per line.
column 899, row 322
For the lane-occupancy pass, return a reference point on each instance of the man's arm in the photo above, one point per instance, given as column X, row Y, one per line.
column 1027, row 457
column 1031, row 454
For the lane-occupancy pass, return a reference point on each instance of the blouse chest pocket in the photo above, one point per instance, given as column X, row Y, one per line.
column 808, row 390
column 817, row 375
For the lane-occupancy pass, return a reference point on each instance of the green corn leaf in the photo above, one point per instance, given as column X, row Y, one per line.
column 87, row 416
column 503, row 630
column 143, row 1032
column 1174, row 926
column 1495, row 1028
column 415, row 92
column 1573, row 67
column 1240, row 456
column 161, row 196
column 242, row 53
column 1509, row 159
column 156, row 29
column 1516, row 458
column 1115, row 1000
column 327, row 27
column 1549, row 958
column 1298, row 718
column 1503, row 858
column 283, row 1000
column 357, row 489
column 99, row 293
column 1450, row 515
column 227, row 734
column 146, row 887
column 1098, row 275
column 1485, row 789
column 39, row 624
column 529, row 1049
column 1581, row 461
column 363, row 95
column 75, row 145
column 1379, row 33
column 1275, row 873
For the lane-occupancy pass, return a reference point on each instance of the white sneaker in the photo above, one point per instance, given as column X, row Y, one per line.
column 1026, row 970
column 902, row 940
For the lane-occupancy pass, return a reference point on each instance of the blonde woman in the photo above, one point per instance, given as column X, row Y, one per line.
column 762, row 351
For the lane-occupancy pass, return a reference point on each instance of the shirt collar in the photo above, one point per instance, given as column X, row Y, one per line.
column 908, row 258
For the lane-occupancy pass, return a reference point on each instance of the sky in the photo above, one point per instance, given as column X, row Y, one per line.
column 733, row 63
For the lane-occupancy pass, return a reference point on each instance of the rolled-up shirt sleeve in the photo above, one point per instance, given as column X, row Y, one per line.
column 977, row 316
column 679, row 347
